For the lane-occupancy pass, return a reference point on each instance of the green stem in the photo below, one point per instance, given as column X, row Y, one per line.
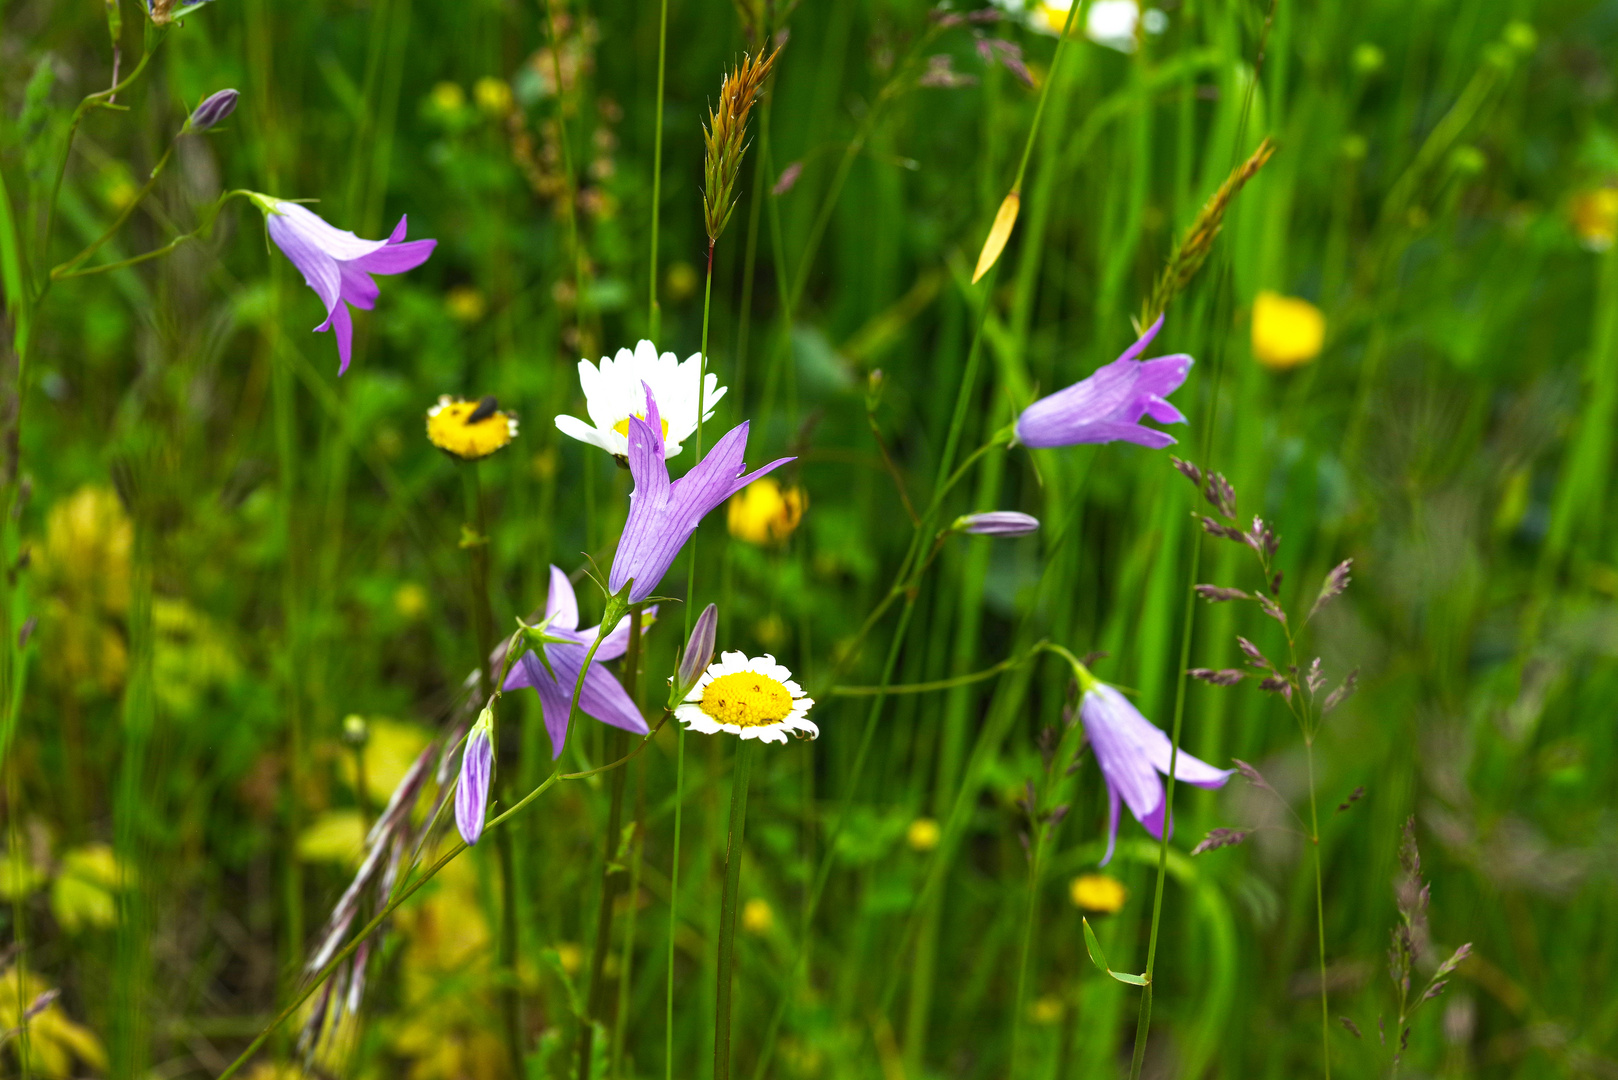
column 702, row 407
column 674, row 900
column 652, row 312
column 598, row 956
column 154, row 37
column 1320, row 911
column 727, row 905
column 823, row 872
column 483, row 629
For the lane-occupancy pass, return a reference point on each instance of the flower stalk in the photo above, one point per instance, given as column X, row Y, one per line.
column 740, row 776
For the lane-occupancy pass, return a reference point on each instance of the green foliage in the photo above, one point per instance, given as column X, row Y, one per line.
column 182, row 810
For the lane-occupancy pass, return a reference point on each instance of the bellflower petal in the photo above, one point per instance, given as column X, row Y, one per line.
column 1108, row 406
column 664, row 514
column 477, row 766
column 601, row 696
column 997, row 523
column 1131, row 752
column 338, row 265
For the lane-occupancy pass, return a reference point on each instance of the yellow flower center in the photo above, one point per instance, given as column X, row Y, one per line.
column 450, row 428
column 622, row 426
column 747, row 699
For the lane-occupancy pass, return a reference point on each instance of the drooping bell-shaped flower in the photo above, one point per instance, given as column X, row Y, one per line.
column 664, row 514
column 338, row 265
column 1108, row 406
column 1132, row 752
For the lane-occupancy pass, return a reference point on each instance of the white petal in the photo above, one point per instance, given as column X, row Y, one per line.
column 575, row 428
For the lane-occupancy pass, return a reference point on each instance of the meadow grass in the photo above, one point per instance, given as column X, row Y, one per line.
column 242, row 594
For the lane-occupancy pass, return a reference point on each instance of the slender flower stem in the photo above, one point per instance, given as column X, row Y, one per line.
column 598, row 956
column 702, row 407
column 477, row 545
column 1320, row 912
column 674, row 900
column 652, row 312
column 740, row 775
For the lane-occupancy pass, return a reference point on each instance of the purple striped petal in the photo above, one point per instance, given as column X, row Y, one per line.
column 472, row 793
column 561, row 605
column 1108, row 406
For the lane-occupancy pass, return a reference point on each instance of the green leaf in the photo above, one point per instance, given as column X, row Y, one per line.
column 1099, row 958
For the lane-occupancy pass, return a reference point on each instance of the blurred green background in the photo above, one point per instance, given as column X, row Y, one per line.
column 230, row 550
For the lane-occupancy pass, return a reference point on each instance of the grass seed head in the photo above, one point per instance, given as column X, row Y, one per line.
column 725, row 138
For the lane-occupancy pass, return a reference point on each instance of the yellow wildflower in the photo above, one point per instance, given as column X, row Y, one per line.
column 54, row 1041
column 492, row 95
column 470, row 430
column 448, row 97
column 1594, row 214
column 764, row 513
column 465, row 304
column 923, row 834
column 1287, row 331
column 1098, row 892
column 1045, row 1010
column 757, row 916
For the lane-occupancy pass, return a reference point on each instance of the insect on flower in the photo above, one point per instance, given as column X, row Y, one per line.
column 664, row 514
column 470, row 430
column 338, row 265
column 752, row 698
column 1108, row 405
column 617, row 390
column 601, row 697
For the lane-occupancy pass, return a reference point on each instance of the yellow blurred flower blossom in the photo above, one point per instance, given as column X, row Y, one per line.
column 410, row 601
column 492, row 95
column 470, row 430
column 465, row 304
column 757, row 916
column 1045, row 1010
column 84, row 894
column 1287, row 331
column 82, row 568
column 54, row 1041
column 1594, row 214
column 764, row 513
column 448, row 97
column 1098, row 892
column 923, row 834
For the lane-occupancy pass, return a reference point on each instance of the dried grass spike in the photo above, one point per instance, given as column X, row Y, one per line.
column 725, row 139
column 1198, row 241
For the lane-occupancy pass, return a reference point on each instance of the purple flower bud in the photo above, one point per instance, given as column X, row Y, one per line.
column 997, row 523
column 215, row 108
column 698, row 652
column 477, row 765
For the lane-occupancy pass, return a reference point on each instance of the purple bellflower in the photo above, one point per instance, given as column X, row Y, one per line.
column 997, row 523
column 1109, row 404
column 337, row 264
column 477, row 768
column 663, row 515
column 602, row 697
column 1132, row 751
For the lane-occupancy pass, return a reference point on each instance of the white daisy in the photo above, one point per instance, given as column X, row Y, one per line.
column 755, row 699
column 614, row 392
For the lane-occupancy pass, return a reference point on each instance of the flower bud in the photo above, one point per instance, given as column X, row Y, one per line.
column 996, row 523
column 698, row 653
column 215, row 108
column 477, row 766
